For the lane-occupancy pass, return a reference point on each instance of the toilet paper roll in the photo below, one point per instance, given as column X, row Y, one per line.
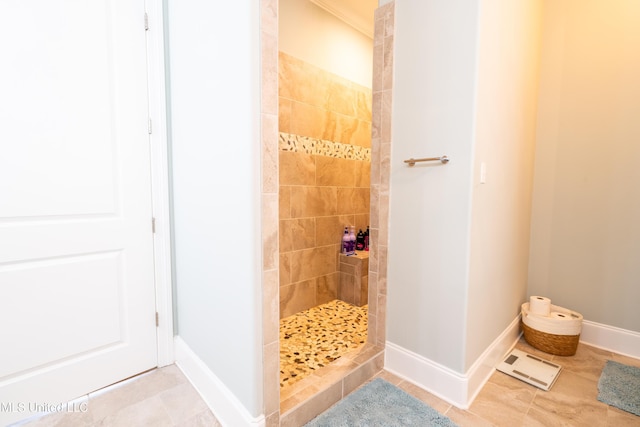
column 540, row 306
column 559, row 316
column 560, row 321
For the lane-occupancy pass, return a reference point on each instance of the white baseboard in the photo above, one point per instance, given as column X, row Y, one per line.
column 222, row 402
column 484, row 366
column 453, row 387
column 610, row 338
column 460, row 389
column 431, row 376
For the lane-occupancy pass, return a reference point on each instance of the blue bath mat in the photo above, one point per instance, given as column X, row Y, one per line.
column 619, row 386
column 380, row 404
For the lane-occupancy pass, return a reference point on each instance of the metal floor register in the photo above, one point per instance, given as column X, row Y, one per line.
column 530, row 369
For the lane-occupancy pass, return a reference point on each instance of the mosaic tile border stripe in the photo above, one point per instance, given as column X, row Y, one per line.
column 321, row 147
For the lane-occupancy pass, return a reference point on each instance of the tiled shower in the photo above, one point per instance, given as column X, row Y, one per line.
column 324, row 185
column 325, row 163
column 298, row 120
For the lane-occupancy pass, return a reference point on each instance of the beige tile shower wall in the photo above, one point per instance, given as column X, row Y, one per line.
column 354, row 279
column 318, row 104
column 324, row 170
column 383, row 50
column 269, row 163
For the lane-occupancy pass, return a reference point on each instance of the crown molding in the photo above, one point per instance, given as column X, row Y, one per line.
column 351, row 12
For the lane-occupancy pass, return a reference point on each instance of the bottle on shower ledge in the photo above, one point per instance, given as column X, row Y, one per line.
column 360, row 240
column 366, row 239
column 346, row 242
column 352, row 240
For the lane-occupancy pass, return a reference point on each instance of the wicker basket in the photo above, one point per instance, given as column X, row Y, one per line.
column 560, row 345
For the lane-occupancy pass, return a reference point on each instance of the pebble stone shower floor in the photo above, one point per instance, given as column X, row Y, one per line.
column 313, row 338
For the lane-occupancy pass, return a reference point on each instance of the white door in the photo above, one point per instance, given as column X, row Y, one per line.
column 77, row 309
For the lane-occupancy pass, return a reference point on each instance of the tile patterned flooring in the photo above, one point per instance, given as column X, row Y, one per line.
column 313, row 338
column 160, row 398
column 164, row 397
column 507, row 402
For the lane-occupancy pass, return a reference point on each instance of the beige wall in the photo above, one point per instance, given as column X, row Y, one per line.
column 506, row 100
column 312, row 34
column 325, row 155
column 585, row 246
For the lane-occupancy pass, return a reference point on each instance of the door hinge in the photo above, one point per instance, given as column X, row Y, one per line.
column 153, row 225
column 150, row 127
column 157, row 319
column 146, row 21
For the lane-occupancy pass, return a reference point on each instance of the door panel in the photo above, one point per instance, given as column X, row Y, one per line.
column 59, row 110
column 77, row 307
column 62, row 336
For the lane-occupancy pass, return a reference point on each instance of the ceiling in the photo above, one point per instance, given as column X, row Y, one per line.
column 357, row 13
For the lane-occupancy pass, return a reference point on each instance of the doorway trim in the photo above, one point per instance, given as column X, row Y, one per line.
column 160, row 187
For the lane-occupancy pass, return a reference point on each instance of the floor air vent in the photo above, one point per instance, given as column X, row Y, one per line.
column 530, row 369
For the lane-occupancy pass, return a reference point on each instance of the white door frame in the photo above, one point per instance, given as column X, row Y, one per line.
column 160, row 181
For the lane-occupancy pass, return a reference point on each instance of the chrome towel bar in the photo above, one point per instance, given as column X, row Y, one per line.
column 443, row 159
